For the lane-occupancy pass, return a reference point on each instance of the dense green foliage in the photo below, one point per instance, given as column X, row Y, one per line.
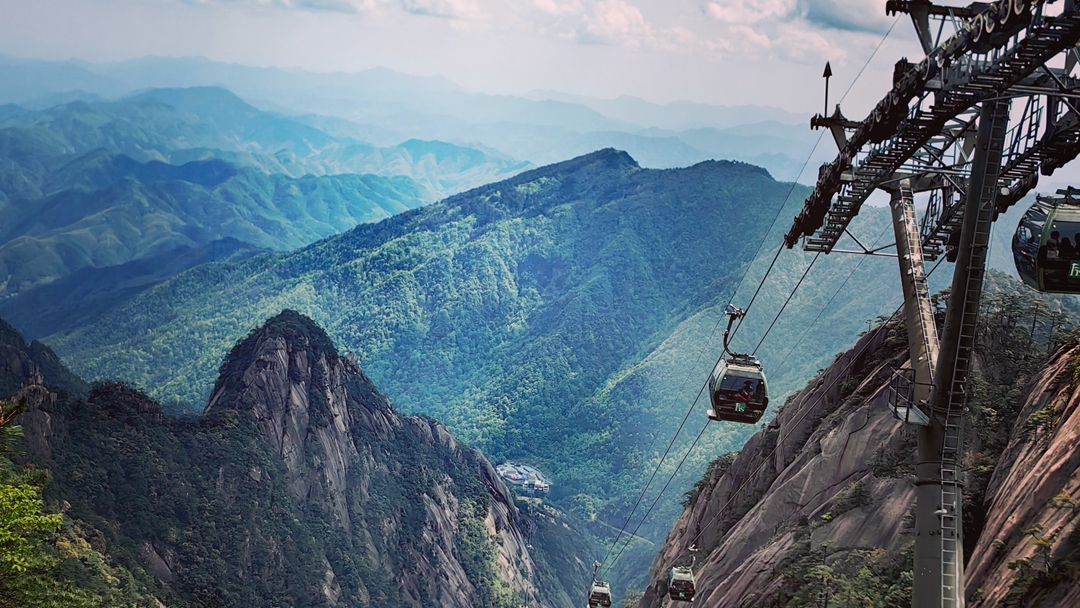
column 46, row 559
column 126, row 218
column 508, row 311
column 136, row 190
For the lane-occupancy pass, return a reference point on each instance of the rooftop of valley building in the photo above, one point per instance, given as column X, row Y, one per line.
column 524, row 477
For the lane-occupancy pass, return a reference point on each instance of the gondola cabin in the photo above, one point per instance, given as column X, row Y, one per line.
column 600, row 595
column 738, row 390
column 1046, row 246
column 681, row 584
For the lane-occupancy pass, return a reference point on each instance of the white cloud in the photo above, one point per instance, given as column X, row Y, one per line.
column 848, row 15
column 790, row 30
column 451, row 9
column 614, row 22
column 558, row 7
column 744, row 12
column 340, row 6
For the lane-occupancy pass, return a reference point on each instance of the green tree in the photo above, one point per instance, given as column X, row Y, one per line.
column 632, row 599
column 23, row 523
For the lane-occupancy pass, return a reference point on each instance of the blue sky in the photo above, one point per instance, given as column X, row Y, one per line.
column 731, row 52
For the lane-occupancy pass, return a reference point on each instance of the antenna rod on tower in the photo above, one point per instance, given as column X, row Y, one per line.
column 826, row 75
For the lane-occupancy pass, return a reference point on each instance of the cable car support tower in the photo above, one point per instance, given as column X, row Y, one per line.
column 991, row 106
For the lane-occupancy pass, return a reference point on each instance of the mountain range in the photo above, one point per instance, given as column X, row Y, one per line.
column 176, row 176
column 564, row 317
column 385, row 108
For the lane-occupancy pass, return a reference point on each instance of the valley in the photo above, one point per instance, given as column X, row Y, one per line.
column 272, row 336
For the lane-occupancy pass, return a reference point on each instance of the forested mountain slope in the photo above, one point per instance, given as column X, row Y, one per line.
column 169, row 177
column 503, row 310
column 565, row 316
column 131, row 219
column 299, row 485
column 819, row 504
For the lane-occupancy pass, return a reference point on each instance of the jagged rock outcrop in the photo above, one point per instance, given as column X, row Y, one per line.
column 327, row 422
column 823, row 443
column 1029, row 551
column 22, row 382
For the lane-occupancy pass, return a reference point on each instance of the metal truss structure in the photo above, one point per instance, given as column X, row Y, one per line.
column 924, row 129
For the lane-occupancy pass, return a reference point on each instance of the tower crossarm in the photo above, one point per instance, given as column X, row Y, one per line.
column 1045, row 136
column 970, row 67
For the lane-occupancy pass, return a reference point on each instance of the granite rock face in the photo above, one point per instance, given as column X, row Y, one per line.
column 1034, row 499
column 339, row 438
column 300, row 478
column 834, row 466
column 823, row 442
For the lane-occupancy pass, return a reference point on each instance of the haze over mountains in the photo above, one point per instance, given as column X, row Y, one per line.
column 384, row 108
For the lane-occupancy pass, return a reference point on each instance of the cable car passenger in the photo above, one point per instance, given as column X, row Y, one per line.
column 738, row 391
column 1045, row 256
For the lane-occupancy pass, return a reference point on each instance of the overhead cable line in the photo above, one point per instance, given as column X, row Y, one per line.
column 738, row 286
column 786, row 302
column 795, row 426
column 796, row 180
column 876, row 49
column 822, row 310
column 761, row 283
column 651, row 477
column 662, row 490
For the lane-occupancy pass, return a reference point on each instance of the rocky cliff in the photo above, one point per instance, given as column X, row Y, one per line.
column 817, row 508
column 803, row 485
column 299, row 485
column 342, row 445
column 1029, row 551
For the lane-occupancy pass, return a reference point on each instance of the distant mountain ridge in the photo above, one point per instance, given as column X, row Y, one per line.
column 88, row 185
column 388, row 107
column 181, row 125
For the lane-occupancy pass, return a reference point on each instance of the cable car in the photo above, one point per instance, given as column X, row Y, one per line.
column 681, row 584
column 1045, row 246
column 600, row 595
column 737, row 386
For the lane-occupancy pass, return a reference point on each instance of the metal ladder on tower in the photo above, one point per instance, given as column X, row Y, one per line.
column 918, row 282
column 911, row 386
column 952, row 415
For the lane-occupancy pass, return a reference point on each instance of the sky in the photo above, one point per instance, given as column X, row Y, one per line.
column 728, row 52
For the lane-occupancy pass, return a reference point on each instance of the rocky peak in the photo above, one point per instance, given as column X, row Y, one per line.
column 23, row 364
column 302, row 394
column 343, row 445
